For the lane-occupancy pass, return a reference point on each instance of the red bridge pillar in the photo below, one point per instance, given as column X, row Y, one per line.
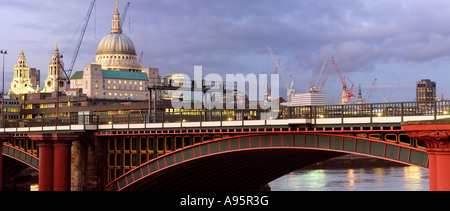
column 54, row 161
column 436, row 138
column 61, row 165
column 45, row 165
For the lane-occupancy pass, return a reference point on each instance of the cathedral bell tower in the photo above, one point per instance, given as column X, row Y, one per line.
column 359, row 100
column 26, row 79
column 56, row 76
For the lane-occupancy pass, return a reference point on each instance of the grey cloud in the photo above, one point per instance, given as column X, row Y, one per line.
column 435, row 46
column 232, row 35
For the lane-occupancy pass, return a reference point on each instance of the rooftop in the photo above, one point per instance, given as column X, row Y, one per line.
column 115, row 75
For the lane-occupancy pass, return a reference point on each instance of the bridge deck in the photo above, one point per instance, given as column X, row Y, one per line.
column 137, row 125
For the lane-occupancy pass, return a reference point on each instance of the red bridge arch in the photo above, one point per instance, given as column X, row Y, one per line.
column 21, row 156
column 248, row 162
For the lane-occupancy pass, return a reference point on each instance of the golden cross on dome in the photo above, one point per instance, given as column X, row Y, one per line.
column 116, row 5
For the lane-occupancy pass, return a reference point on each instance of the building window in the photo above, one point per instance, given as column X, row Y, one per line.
column 27, row 106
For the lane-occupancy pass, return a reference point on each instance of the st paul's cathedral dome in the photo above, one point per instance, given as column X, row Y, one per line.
column 116, row 51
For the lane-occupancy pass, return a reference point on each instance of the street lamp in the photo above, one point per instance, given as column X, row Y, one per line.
column 3, row 86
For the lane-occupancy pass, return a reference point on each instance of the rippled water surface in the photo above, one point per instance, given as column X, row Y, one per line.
column 359, row 179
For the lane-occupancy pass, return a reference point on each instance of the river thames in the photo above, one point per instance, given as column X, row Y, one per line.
column 406, row 178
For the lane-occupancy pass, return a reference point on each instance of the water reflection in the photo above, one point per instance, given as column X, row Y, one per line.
column 351, row 178
column 361, row 179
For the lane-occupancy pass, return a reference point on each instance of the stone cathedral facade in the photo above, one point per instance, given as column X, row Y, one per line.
column 26, row 79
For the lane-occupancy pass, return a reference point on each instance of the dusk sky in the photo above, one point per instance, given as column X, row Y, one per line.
column 389, row 40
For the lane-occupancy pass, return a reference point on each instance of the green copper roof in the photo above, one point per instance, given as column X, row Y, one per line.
column 77, row 75
column 115, row 74
column 124, row 75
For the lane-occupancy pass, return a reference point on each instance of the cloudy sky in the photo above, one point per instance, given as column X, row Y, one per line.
column 402, row 40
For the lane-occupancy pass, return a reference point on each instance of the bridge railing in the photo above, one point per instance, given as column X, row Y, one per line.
column 401, row 109
column 179, row 116
column 373, row 110
column 50, row 122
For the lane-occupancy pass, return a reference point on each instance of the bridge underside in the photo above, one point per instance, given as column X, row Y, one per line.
column 239, row 170
column 12, row 166
column 249, row 162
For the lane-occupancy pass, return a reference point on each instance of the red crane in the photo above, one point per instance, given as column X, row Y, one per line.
column 347, row 94
column 140, row 57
column 442, row 99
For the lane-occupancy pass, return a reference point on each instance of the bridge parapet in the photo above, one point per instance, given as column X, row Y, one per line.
column 375, row 113
column 72, row 124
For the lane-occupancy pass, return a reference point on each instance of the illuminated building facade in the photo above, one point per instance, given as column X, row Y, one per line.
column 26, row 79
column 56, row 76
column 425, row 90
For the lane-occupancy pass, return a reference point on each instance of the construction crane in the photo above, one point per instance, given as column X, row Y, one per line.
column 442, row 98
column 350, row 92
column 68, row 72
column 124, row 13
column 268, row 88
column 325, row 78
column 320, row 81
column 290, row 91
column 371, row 90
column 346, row 94
column 393, row 88
column 315, row 85
column 140, row 57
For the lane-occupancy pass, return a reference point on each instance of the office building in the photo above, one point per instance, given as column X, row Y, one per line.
column 425, row 90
